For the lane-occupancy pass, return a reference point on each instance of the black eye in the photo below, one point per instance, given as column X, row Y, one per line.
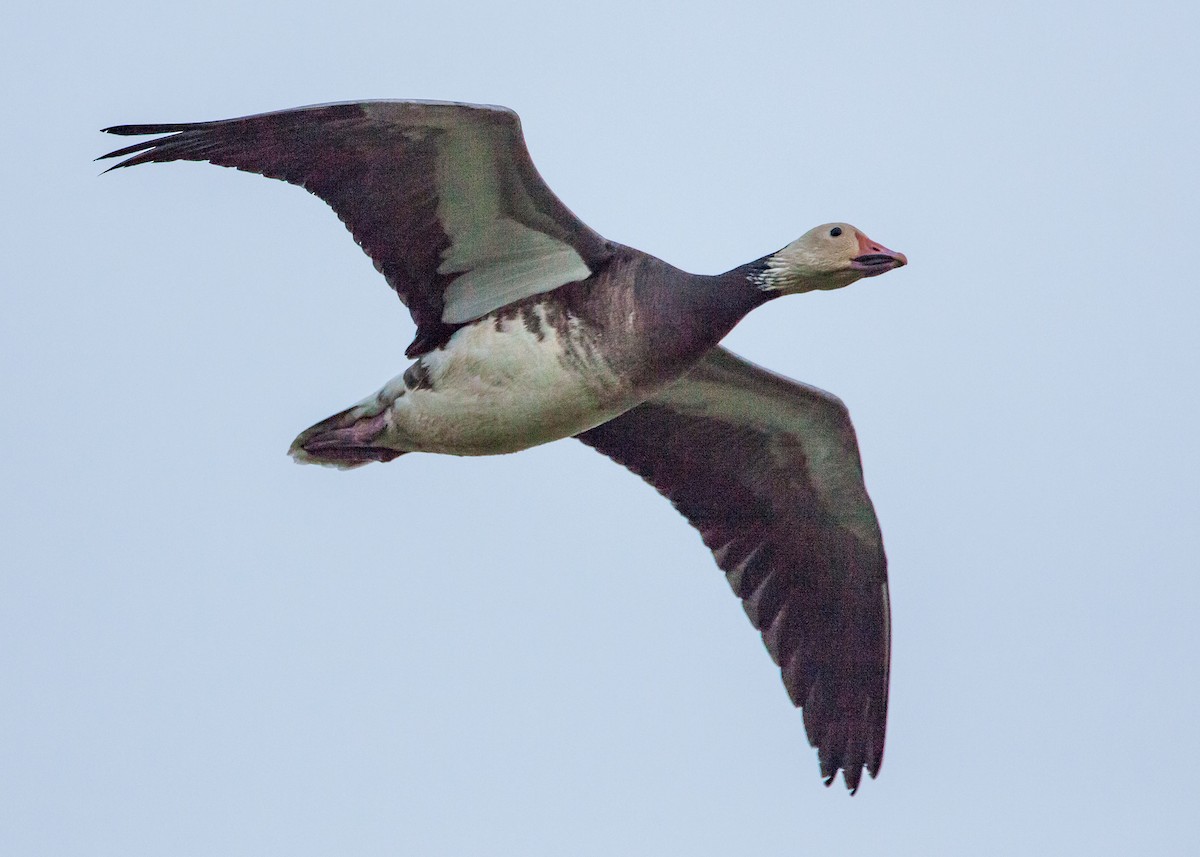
column 835, row 231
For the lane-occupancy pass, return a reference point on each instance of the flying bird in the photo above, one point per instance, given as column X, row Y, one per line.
column 531, row 327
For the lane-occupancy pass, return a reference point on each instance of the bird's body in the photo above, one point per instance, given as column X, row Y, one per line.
column 543, row 368
column 531, row 328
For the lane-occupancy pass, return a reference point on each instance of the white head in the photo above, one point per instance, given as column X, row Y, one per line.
column 829, row 256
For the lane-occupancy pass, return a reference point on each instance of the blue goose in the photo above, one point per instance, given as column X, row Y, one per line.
column 531, row 327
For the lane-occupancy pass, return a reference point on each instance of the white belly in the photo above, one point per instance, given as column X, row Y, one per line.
column 498, row 387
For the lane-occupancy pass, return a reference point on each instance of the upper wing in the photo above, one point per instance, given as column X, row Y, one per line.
column 768, row 471
column 443, row 197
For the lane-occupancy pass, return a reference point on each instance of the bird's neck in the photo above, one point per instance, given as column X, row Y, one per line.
column 673, row 318
column 735, row 293
column 715, row 304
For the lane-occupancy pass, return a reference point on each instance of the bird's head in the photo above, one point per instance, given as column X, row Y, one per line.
column 826, row 257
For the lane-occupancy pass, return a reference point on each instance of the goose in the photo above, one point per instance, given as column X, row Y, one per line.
column 531, row 327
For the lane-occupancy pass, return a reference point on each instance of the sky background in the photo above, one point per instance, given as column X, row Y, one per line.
column 207, row 650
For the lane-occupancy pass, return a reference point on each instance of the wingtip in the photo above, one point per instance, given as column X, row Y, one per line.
column 113, row 166
column 124, row 130
column 112, row 129
column 874, row 765
column 142, row 130
column 852, row 780
column 140, row 152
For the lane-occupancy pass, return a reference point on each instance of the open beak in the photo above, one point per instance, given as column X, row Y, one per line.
column 875, row 259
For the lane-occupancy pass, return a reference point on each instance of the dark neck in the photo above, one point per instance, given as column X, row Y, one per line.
column 697, row 311
column 670, row 318
column 729, row 297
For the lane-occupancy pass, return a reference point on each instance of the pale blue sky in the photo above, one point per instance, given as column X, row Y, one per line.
column 207, row 650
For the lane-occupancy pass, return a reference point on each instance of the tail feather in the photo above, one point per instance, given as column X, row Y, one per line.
column 345, row 440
